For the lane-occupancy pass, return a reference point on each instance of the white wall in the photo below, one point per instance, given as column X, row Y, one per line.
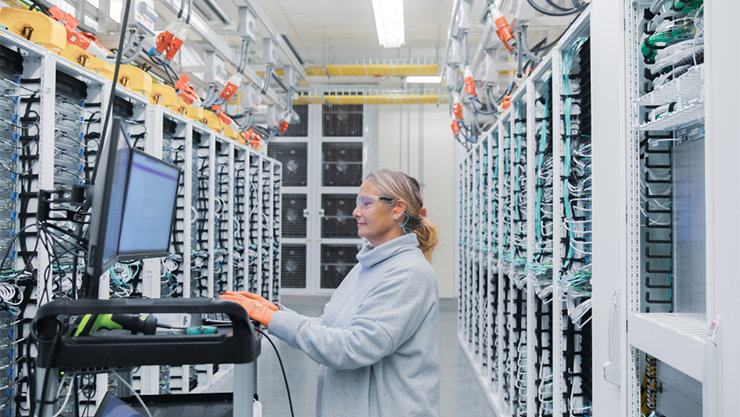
column 416, row 139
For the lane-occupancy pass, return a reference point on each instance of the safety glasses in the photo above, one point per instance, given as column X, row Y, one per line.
column 364, row 201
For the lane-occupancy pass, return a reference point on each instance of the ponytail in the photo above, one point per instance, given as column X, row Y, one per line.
column 426, row 233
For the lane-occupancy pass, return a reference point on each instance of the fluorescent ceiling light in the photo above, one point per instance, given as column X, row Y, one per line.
column 389, row 22
column 424, row 79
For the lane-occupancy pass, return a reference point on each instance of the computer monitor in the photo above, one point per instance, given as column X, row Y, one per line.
column 134, row 197
column 148, row 213
column 108, row 197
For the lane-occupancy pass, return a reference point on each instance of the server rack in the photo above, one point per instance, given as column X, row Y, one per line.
column 667, row 281
column 516, row 266
column 49, row 139
column 626, row 297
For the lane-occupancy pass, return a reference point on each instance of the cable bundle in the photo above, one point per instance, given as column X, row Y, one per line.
column 541, row 265
column 674, row 39
column 575, row 275
column 505, row 262
column 574, row 278
column 518, row 229
column 221, row 220
column 254, row 225
column 200, row 255
column 172, row 270
column 240, row 185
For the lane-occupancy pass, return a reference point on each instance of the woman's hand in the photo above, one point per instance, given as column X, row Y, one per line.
column 255, row 310
column 255, row 297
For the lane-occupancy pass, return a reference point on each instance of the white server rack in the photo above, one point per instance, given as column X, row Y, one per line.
column 53, row 119
column 663, row 322
column 669, row 309
column 516, row 280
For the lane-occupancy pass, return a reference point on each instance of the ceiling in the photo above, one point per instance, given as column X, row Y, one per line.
column 326, row 32
column 341, row 31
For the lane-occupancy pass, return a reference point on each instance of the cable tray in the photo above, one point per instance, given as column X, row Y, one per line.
column 686, row 87
column 685, row 116
column 676, row 339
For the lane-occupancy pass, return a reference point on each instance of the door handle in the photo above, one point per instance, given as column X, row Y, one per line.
column 611, row 368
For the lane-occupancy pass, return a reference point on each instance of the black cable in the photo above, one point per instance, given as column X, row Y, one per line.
column 285, row 378
column 182, row 7
column 190, row 10
column 51, row 358
column 114, row 84
column 551, row 13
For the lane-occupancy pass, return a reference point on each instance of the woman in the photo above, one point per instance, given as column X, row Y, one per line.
column 378, row 339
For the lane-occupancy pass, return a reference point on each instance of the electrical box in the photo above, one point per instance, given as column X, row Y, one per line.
column 490, row 70
column 456, row 54
column 464, row 19
column 252, row 98
column 451, row 76
column 269, row 51
column 273, row 116
column 143, row 13
column 247, row 25
column 215, row 69
column 290, row 78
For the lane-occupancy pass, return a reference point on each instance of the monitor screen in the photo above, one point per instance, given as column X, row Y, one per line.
column 116, row 203
column 107, row 205
column 112, row 406
column 148, row 213
column 133, row 207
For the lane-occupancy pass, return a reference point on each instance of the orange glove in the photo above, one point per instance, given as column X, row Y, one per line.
column 255, row 309
column 254, row 297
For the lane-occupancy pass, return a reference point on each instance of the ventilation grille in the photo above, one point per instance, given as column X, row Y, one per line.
column 293, row 266
column 342, row 164
column 338, row 220
column 336, row 262
column 294, row 223
column 294, row 156
column 339, row 120
column 299, row 130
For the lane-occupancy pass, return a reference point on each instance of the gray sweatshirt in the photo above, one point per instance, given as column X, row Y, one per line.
column 377, row 342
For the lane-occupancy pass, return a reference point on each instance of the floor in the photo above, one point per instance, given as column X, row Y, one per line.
column 461, row 396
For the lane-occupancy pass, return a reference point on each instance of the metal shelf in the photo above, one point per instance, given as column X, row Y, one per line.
column 680, row 118
column 676, row 339
column 689, row 85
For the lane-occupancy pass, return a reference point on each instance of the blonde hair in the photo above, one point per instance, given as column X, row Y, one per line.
column 397, row 185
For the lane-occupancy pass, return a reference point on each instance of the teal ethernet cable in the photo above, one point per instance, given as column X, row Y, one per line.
column 540, row 160
column 517, row 185
column 568, row 105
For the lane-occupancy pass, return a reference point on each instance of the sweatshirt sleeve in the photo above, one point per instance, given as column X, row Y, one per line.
column 387, row 317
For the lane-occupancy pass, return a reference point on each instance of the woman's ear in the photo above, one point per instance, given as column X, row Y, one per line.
column 399, row 209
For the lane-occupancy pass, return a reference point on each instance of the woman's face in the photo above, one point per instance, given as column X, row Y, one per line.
column 377, row 219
